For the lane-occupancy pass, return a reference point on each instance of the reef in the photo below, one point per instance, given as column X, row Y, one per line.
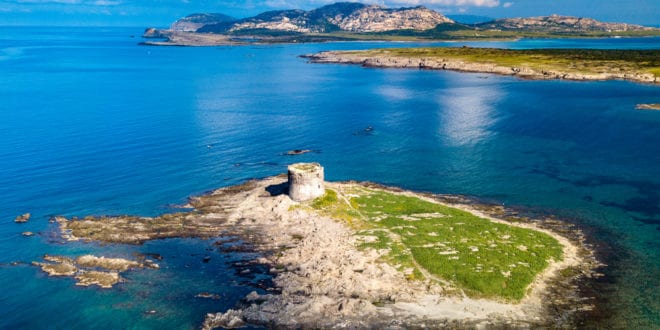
column 90, row 270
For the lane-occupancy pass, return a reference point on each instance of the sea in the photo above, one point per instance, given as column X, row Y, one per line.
column 91, row 123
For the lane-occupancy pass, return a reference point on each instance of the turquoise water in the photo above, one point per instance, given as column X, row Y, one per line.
column 91, row 123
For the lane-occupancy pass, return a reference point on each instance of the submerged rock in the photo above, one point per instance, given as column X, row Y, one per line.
column 208, row 295
column 23, row 218
column 298, row 152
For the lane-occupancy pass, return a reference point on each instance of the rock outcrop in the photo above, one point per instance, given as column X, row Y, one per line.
column 648, row 106
column 379, row 19
column 89, row 269
column 22, row 218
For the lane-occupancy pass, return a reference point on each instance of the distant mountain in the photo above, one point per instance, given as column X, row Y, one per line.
column 558, row 24
column 193, row 22
column 470, row 19
column 341, row 16
column 352, row 18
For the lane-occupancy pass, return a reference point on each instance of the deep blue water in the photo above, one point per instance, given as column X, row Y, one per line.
column 92, row 123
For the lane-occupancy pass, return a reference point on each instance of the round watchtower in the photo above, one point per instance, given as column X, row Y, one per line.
column 305, row 181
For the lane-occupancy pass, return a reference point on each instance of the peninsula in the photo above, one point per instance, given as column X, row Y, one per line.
column 363, row 255
column 571, row 64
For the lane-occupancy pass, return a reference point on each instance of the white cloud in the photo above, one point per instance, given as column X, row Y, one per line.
column 387, row 3
column 448, row 3
column 68, row 2
column 507, row 4
column 101, row 3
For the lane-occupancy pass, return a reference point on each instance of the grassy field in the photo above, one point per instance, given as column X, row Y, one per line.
column 592, row 61
column 429, row 240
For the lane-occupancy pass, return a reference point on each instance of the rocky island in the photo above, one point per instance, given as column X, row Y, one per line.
column 571, row 64
column 355, row 254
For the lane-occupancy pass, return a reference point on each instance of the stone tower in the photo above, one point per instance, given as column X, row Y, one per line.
column 305, row 181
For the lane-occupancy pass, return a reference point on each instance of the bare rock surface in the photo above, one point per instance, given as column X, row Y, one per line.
column 23, row 218
column 648, row 106
column 89, row 269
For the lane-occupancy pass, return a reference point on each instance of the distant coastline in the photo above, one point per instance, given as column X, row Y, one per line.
column 344, row 21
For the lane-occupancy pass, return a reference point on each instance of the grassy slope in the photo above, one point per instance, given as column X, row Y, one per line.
column 484, row 258
column 563, row 60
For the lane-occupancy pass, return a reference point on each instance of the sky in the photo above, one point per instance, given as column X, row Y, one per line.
column 161, row 13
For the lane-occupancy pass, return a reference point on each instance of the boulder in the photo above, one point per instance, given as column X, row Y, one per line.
column 23, row 218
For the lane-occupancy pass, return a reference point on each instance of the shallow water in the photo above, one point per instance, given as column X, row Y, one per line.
column 91, row 123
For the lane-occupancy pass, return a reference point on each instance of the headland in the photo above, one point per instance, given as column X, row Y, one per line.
column 569, row 64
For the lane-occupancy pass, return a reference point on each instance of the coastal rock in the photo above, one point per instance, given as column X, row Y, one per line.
column 27, row 233
column 208, row 295
column 305, row 181
column 648, row 106
column 58, row 266
column 113, row 264
column 22, row 218
column 103, row 279
column 297, row 152
column 231, row 319
column 88, row 269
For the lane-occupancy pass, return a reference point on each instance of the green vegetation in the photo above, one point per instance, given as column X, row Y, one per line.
column 592, row 61
column 429, row 240
column 445, row 31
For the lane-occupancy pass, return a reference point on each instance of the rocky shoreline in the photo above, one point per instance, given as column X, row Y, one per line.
column 463, row 65
column 323, row 280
